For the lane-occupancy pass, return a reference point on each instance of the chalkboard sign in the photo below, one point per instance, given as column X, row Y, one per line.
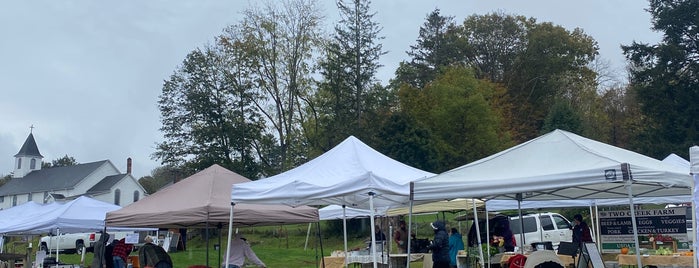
column 590, row 257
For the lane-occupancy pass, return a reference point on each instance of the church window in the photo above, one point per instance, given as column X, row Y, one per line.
column 117, row 197
column 14, row 200
column 29, row 197
column 135, row 196
column 19, row 163
column 32, row 164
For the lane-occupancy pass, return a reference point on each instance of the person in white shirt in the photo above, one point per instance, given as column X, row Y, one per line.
column 240, row 250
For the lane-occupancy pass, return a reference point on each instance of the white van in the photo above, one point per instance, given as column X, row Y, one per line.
column 542, row 227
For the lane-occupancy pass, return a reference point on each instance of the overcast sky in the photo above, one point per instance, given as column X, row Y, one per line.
column 87, row 74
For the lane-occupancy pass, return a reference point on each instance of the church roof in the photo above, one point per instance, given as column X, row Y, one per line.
column 50, row 179
column 106, row 184
column 29, row 148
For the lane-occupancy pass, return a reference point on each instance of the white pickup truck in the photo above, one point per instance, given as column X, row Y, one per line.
column 74, row 242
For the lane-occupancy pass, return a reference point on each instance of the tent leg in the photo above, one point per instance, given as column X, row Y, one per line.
column 308, row 234
column 410, row 228
column 478, row 233
column 320, row 240
column 344, row 230
column 633, row 220
column 230, row 234
column 373, row 229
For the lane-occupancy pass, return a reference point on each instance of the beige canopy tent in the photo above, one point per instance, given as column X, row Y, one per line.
column 445, row 205
column 202, row 200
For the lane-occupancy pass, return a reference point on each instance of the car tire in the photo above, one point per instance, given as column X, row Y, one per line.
column 79, row 247
column 44, row 248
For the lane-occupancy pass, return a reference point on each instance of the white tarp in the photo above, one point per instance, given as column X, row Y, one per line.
column 558, row 165
column 555, row 166
column 503, row 204
column 694, row 169
column 345, row 175
column 82, row 214
column 335, row 212
column 351, row 174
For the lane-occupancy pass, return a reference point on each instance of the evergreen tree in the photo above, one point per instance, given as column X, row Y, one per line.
column 665, row 79
column 349, row 96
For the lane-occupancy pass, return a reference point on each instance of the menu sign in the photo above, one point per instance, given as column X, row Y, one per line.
column 662, row 226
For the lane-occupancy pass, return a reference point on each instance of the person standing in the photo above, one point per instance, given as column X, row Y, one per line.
column 99, row 251
column 108, row 251
column 151, row 255
column 440, row 245
column 121, row 253
column 378, row 234
column 401, row 237
column 240, row 249
column 456, row 243
column 581, row 232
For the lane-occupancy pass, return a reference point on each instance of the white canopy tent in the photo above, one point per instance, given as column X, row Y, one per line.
column 351, row 174
column 558, row 165
column 82, row 214
column 335, row 212
column 694, row 169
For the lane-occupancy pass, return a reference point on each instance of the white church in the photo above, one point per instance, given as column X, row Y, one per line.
column 100, row 180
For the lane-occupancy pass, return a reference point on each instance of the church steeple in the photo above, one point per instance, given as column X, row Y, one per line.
column 28, row 158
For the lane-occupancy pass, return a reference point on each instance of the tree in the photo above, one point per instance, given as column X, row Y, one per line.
column 349, row 96
column 283, row 39
column 208, row 115
column 466, row 115
column 532, row 60
column 60, row 162
column 665, row 79
column 162, row 176
column 494, row 42
column 438, row 45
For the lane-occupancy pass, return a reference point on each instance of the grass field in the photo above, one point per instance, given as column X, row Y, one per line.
column 277, row 246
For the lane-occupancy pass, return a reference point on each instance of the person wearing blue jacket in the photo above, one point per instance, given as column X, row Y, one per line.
column 456, row 243
column 440, row 245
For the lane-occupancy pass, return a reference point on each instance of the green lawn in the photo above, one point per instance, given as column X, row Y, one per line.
column 277, row 246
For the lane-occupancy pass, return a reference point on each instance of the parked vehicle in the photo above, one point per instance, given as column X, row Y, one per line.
column 538, row 227
column 542, row 227
column 74, row 242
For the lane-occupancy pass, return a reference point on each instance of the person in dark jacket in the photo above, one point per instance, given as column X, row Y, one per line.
column 99, row 250
column 108, row 251
column 440, row 245
column 151, row 255
column 501, row 228
column 581, row 232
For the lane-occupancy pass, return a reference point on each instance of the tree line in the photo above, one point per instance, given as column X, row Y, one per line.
column 274, row 90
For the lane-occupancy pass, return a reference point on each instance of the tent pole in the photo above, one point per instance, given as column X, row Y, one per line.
column 373, row 229
column 230, row 234
column 207, row 239
column 308, row 234
column 320, row 242
column 598, row 234
column 633, row 217
column 220, row 233
column 521, row 224
column 487, row 234
column 694, row 218
column 694, row 171
column 344, row 230
column 410, row 222
column 410, row 225
column 58, row 242
column 478, row 233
